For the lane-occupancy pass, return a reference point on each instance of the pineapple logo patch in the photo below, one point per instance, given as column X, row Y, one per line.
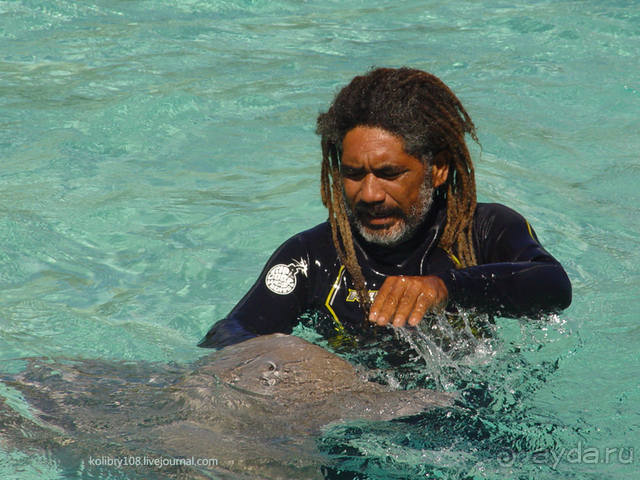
column 282, row 279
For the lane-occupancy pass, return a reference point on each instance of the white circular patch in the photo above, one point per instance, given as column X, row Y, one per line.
column 281, row 279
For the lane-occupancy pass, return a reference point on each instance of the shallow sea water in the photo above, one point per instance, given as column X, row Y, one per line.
column 153, row 155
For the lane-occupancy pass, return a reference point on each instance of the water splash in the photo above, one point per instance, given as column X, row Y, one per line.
column 448, row 343
column 499, row 378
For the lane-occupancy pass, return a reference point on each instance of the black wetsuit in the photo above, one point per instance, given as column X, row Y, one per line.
column 515, row 276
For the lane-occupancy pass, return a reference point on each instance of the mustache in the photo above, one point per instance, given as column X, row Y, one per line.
column 377, row 210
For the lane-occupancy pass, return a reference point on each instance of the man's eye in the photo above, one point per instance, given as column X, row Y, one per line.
column 352, row 174
column 389, row 174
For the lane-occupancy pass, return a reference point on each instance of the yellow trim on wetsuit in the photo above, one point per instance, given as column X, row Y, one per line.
column 336, row 285
column 342, row 338
column 454, row 258
column 530, row 231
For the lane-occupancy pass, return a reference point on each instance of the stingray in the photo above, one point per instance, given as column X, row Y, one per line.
column 250, row 410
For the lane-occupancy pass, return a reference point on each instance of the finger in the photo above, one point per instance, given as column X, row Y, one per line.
column 378, row 301
column 433, row 296
column 420, row 309
column 380, row 307
column 407, row 304
column 387, row 300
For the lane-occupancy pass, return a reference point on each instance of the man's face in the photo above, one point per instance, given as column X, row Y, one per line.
column 388, row 192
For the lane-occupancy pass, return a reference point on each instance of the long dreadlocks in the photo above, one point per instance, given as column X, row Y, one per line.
column 419, row 108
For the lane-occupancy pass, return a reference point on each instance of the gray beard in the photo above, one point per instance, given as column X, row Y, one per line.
column 405, row 227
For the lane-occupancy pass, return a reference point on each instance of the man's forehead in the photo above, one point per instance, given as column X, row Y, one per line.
column 375, row 146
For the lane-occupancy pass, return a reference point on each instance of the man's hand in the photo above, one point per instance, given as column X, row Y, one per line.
column 407, row 299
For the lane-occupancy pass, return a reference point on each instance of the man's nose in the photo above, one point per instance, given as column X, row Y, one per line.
column 371, row 191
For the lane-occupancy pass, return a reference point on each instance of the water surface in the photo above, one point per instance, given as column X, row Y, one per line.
column 153, row 155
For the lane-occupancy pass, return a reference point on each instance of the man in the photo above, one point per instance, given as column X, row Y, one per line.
column 405, row 236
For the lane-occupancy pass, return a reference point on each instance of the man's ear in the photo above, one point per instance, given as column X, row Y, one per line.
column 440, row 168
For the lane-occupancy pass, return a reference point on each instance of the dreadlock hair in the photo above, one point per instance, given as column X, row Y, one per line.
column 420, row 109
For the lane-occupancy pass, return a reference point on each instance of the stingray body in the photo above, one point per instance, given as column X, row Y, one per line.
column 256, row 408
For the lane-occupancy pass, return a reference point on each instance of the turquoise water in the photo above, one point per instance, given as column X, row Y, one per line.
column 153, row 154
